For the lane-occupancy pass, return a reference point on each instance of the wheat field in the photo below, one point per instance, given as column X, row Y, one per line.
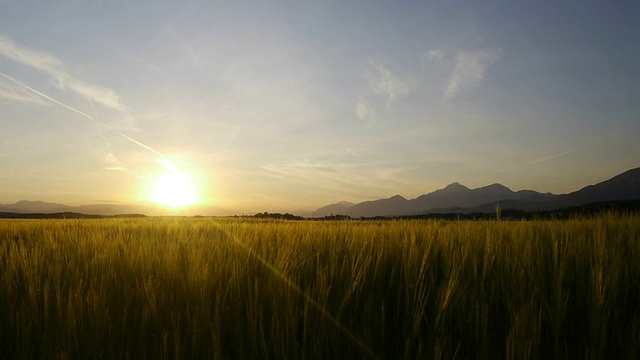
column 208, row 288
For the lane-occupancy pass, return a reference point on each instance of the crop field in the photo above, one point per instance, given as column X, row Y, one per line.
column 200, row 288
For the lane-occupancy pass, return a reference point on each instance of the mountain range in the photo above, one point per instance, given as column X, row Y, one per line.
column 457, row 198
column 42, row 207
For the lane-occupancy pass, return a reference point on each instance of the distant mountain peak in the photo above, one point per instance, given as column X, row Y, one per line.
column 496, row 185
column 32, row 202
column 455, row 186
column 28, row 206
column 496, row 188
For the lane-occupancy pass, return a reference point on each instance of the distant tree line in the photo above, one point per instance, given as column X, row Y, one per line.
column 287, row 216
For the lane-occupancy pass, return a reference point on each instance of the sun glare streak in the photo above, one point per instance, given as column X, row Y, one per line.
column 286, row 280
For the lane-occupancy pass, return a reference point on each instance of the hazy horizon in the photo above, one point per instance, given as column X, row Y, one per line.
column 152, row 209
column 290, row 105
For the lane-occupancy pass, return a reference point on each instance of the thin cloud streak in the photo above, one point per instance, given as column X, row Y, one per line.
column 59, row 103
column 537, row 161
column 469, row 70
column 18, row 93
column 62, row 79
column 340, row 176
column 56, row 69
column 163, row 160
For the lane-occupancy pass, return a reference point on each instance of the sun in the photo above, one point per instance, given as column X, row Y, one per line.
column 174, row 189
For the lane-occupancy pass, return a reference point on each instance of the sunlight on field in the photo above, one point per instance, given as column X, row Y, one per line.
column 249, row 289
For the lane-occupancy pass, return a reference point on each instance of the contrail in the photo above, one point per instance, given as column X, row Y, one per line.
column 59, row 103
column 535, row 161
column 163, row 161
column 97, row 121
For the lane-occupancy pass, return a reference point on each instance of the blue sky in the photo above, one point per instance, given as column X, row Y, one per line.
column 290, row 105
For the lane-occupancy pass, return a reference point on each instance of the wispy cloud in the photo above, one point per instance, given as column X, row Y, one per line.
column 436, row 54
column 97, row 121
column 384, row 82
column 469, row 71
column 328, row 175
column 13, row 90
column 363, row 110
column 56, row 69
column 113, row 164
column 338, row 177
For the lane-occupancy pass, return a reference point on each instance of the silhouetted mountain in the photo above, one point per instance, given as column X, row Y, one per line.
column 457, row 198
column 456, row 195
column 385, row 207
column 338, row 208
column 26, row 206
column 41, row 207
column 625, row 186
column 453, row 196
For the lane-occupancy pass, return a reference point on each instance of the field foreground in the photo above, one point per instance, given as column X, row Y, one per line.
column 253, row 289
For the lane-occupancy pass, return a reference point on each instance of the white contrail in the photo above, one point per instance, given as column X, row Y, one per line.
column 12, row 93
column 167, row 164
column 535, row 161
column 94, row 119
column 59, row 103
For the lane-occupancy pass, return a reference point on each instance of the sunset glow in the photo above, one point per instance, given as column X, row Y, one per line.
column 174, row 190
column 227, row 108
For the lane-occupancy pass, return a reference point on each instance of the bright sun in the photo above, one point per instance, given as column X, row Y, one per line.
column 174, row 189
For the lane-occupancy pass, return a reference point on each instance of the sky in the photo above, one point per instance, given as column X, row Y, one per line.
column 284, row 106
